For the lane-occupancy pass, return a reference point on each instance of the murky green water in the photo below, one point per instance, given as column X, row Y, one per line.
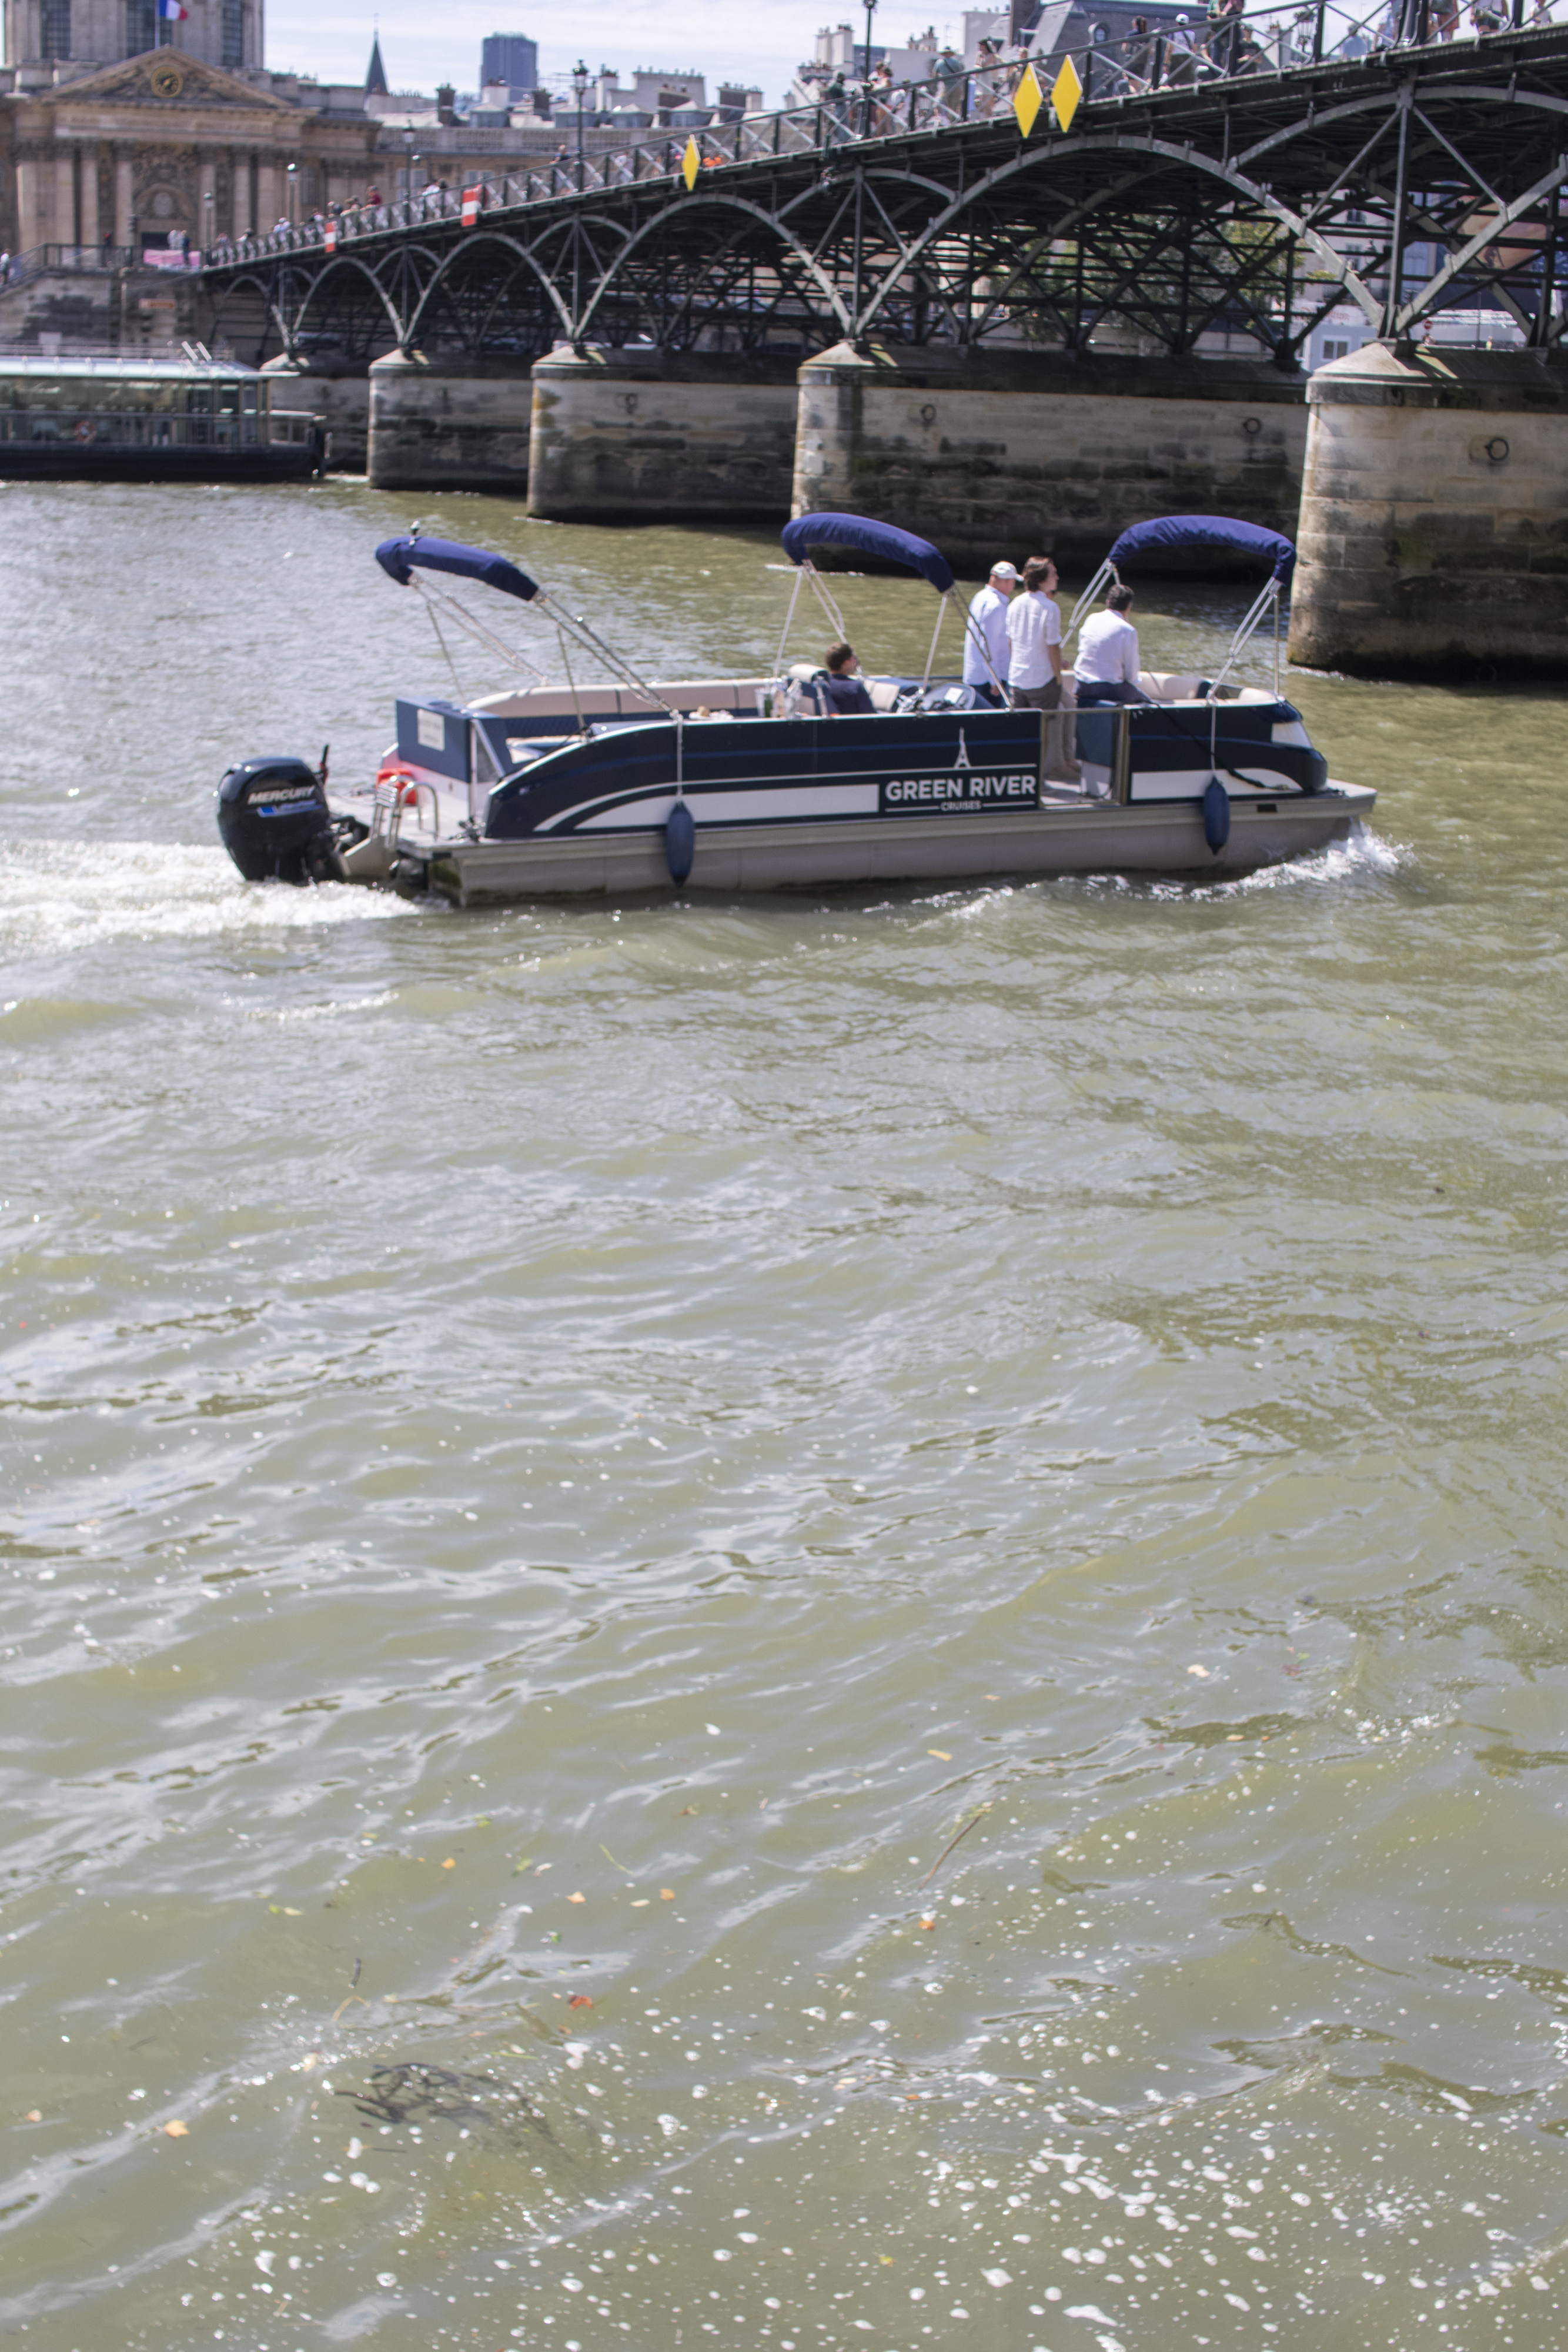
column 557, row 1459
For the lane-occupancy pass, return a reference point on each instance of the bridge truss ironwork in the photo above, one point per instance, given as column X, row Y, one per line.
column 1254, row 203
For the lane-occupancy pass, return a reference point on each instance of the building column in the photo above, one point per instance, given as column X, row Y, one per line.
column 239, row 191
column 65, row 196
column 89, row 225
column 124, row 197
column 268, row 201
column 26, row 203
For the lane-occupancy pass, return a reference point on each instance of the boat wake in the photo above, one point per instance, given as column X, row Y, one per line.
column 1365, row 858
column 58, row 896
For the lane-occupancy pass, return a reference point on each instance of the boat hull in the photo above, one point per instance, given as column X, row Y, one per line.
column 68, row 461
column 1059, row 837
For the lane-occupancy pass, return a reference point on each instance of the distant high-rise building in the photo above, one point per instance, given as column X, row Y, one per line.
column 510, row 59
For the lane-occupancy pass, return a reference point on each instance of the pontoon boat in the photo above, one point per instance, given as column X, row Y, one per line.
column 756, row 784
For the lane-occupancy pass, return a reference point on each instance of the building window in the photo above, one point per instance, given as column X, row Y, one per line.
column 54, row 27
column 233, row 35
column 140, row 26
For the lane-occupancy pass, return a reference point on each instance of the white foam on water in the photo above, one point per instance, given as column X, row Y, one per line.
column 61, row 896
column 1362, row 857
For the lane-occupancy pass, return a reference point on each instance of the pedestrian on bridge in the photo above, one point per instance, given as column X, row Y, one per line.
column 986, row 642
column 1034, row 640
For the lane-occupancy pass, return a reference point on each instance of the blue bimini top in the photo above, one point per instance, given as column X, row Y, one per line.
column 398, row 556
column 883, row 540
column 1167, row 531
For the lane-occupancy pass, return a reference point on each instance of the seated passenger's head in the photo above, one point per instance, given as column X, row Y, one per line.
column 1039, row 571
column 1118, row 600
column 839, row 660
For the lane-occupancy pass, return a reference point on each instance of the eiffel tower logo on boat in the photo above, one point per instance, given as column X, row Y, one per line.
column 963, row 760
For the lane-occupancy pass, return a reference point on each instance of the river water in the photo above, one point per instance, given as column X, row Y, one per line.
column 556, row 1459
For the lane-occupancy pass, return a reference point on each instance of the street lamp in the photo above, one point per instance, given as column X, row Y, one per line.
column 580, row 84
column 293, row 192
column 207, row 208
column 870, row 7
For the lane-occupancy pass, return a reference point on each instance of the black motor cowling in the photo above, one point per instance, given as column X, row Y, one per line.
column 275, row 824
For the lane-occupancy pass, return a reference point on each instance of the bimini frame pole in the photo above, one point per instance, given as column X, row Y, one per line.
column 1107, row 572
column 941, row 614
column 1267, row 596
column 789, row 621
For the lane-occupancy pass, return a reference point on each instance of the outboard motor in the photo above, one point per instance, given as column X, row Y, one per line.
column 275, row 824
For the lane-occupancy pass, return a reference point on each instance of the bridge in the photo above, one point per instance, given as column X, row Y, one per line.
column 1165, row 207
column 953, row 244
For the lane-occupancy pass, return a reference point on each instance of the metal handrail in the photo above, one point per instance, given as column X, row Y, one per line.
column 1229, row 44
column 98, row 259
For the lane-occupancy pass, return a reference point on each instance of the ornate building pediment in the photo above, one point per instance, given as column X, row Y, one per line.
column 165, row 79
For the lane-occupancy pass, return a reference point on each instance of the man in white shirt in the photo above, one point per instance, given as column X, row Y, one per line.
column 1107, row 665
column 985, row 637
column 1034, row 640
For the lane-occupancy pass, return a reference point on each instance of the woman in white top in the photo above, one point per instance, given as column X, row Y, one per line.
column 1034, row 640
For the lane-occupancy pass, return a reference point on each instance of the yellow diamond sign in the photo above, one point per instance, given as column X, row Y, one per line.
column 1065, row 92
column 1027, row 99
column 691, row 164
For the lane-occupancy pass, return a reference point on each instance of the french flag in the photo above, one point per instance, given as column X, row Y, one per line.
column 172, row 12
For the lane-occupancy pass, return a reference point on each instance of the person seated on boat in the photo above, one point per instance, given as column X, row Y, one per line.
column 843, row 686
column 1034, row 640
column 1106, row 670
column 986, row 637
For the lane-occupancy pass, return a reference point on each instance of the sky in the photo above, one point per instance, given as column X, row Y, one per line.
column 759, row 44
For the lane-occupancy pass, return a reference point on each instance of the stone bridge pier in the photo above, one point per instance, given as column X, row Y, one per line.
column 338, row 392
column 441, row 422
column 1025, row 452
column 642, row 435
column 1434, row 517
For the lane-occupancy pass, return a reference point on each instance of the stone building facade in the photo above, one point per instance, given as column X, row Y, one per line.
column 164, row 143
column 228, row 33
column 120, row 128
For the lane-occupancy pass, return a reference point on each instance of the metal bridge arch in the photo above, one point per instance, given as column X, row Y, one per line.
column 446, row 267
column 340, row 263
column 722, row 200
column 1204, row 166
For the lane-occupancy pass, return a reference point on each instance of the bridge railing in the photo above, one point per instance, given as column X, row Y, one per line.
column 1229, row 41
column 95, row 261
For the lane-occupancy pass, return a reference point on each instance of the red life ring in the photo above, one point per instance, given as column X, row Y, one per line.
column 87, row 430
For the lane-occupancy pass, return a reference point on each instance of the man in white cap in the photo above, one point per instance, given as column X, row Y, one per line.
column 986, row 637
